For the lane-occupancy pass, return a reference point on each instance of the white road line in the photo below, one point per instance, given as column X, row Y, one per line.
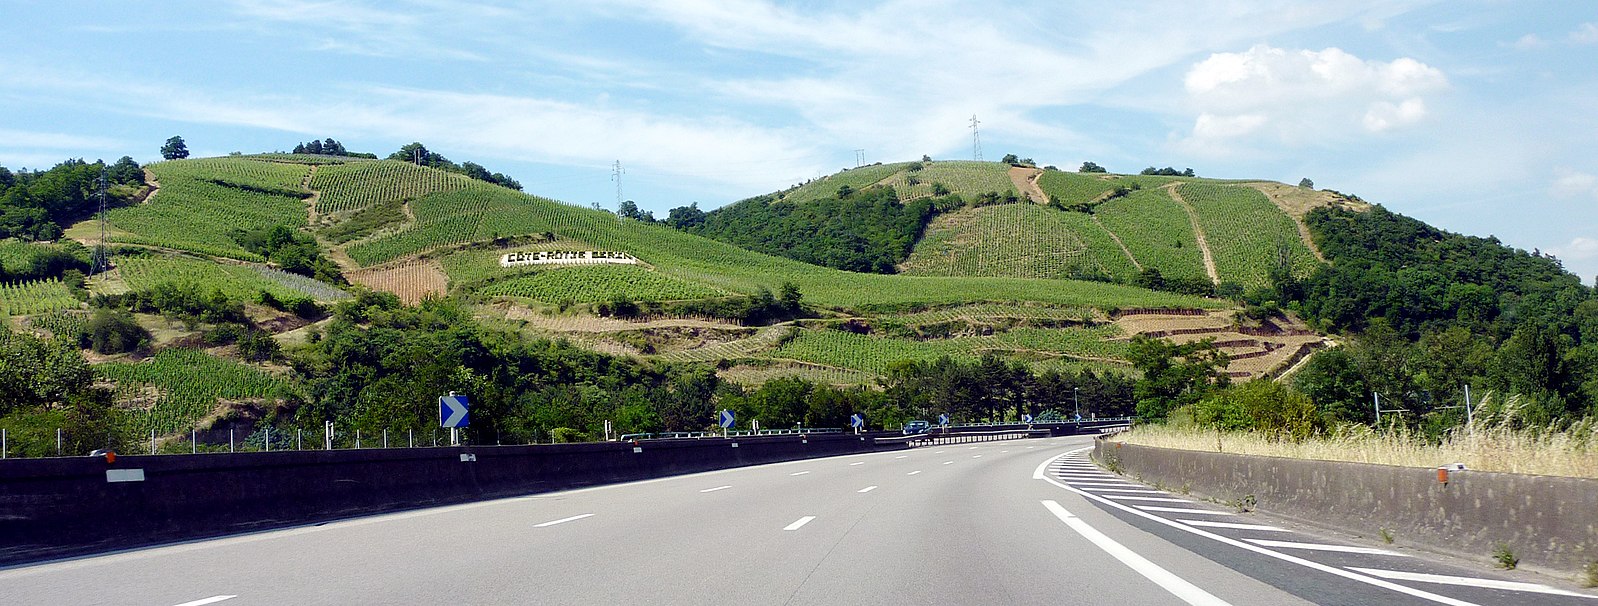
column 210, row 600
column 562, row 521
column 913, row 472
column 715, row 489
column 1310, row 564
column 976, row 456
column 798, row 473
column 1003, row 451
column 1182, row 510
column 1030, row 447
column 902, row 457
column 1101, row 484
column 867, row 489
column 799, row 523
column 1135, row 490
column 1471, row 582
column 972, row 448
column 857, row 463
column 1234, row 525
column 1179, row 587
column 948, row 462
column 1133, row 497
column 1325, row 547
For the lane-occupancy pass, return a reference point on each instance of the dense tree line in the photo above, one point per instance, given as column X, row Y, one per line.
column 864, row 231
column 1432, row 312
column 418, row 154
column 39, row 205
column 328, row 147
column 1168, row 172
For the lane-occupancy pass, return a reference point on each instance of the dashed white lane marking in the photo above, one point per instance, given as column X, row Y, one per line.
column 1234, row 525
column 1133, row 497
column 972, row 448
column 948, row 462
column 799, row 523
column 1003, row 451
column 1185, row 510
column 1470, row 582
column 902, row 457
column 1325, row 547
column 857, row 463
column 1178, row 586
column 1030, row 447
column 210, row 600
column 938, row 452
column 715, row 489
column 562, row 521
column 798, row 473
column 867, row 489
column 913, row 472
column 976, row 456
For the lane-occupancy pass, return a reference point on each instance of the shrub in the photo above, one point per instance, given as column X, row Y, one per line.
column 1261, row 405
column 115, row 331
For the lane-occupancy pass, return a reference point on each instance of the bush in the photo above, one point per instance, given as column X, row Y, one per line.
column 258, row 346
column 1264, row 406
column 115, row 331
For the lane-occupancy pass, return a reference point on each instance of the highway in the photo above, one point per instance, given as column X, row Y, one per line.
column 1014, row 522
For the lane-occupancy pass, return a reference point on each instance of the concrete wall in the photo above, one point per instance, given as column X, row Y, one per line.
column 1550, row 522
column 68, row 506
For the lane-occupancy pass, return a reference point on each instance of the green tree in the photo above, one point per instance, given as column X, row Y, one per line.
column 1091, row 167
column 1306, row 183
column 1174, row 374
column 175, row 149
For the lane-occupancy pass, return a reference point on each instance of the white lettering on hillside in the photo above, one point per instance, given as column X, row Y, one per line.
column 565, row 257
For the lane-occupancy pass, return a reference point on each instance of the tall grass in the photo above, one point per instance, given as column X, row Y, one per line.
column 1495, row 442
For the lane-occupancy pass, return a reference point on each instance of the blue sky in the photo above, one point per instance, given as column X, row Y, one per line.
column 1476, row 116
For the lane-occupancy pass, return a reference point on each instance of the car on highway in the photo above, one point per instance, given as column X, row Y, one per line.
column 916, row 427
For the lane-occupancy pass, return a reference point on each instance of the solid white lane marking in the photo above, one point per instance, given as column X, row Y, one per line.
column 1313, row 565
column 798, row 473
column 1181, row 510
column 1325, row 547
column 799, row 523
column 1133, row 497
column 715, row 489
column 1234, row 525
column 857, row 463
column 562, row 521
column 210, row 600
column 1135, row 490
column 867, row 489
column 913, row 472
column 1179, row 587
column 1471, row 582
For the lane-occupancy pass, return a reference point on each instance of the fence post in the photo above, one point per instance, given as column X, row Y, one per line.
column 297, row 444
column 3, row 445
column 152, row 440
column 269, row 438
column 194, row 443
column 58, row 441
column 385, row 437
column 357, row 439
column 411, row 433
column 230, row 439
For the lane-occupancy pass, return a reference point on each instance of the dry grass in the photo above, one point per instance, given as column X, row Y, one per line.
column 1572, row 452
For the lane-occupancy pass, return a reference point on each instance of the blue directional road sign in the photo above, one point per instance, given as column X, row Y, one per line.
column 857, row 421
column 452, row 411
column 1026, row 418
column 726, row 419
column 943, row 419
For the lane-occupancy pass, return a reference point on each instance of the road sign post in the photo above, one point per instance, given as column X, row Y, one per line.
column 726, row 419
column 454, row 413
column 857, row 422
column 943, row 420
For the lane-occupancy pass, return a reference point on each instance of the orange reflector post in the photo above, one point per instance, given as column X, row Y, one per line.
column 1442, row 475
column 110, row 458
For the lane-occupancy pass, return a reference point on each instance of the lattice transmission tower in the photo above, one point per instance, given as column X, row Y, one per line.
column 976, row 140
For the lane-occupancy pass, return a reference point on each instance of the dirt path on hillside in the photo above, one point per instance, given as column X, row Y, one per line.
column 1296, row 202
column 1118, row 242
column 311, row 216
column 1026, row 182
column 1198, row 232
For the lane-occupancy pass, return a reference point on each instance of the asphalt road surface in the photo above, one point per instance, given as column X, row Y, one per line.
column 1018, row 522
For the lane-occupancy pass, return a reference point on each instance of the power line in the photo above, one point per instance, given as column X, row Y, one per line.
column 976, row 140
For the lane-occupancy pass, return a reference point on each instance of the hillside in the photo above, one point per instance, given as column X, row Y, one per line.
column 992, row 219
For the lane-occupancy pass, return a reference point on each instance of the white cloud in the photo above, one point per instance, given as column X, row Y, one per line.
column 1297, row 96
column 1528, row 42
column 1587, row 33
column 1579, row 249
column 1572, row 184
column 34, row 139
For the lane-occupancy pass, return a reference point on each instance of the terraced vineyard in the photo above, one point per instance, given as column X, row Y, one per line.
column 178, row 387
column 871, row 353
column 1157, row 231
column 963, row 177
column 35, row 297
column 1246, row 232
column 1077, row 188
column 855, row 178
column 1017, row 240
column 988, row 312
column 469, row 266
column 194, row 210
column 598, row 283
column 357, row 185
column 239, row 281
